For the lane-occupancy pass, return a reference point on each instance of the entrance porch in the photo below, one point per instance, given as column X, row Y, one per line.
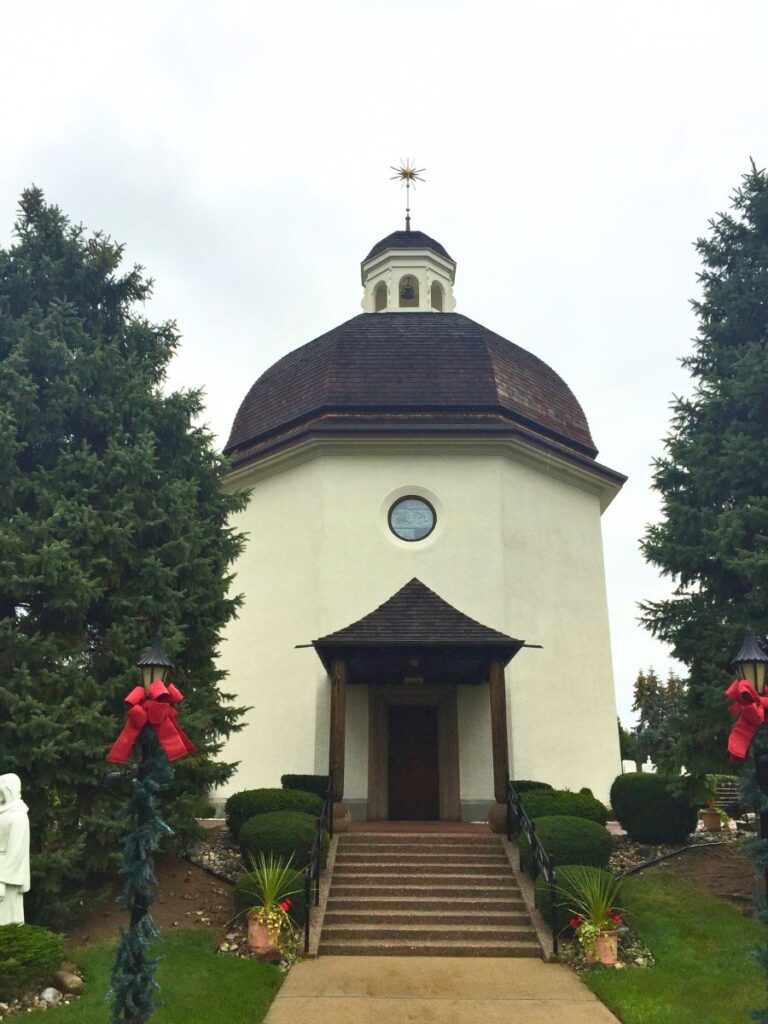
column 414, row 654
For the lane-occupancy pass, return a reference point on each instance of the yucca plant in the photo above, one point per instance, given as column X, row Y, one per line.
column 593, row 900
column 271, row 882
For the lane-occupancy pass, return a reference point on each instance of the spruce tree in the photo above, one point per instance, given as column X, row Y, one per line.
column 713, row 478
column 112, row 520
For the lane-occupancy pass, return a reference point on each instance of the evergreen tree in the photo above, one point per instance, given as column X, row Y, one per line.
column 112, row 519
column 661, row 722
column 627, row 743
column 713, row 477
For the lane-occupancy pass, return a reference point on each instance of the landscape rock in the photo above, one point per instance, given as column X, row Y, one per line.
column 69, row 982
column 51, row 996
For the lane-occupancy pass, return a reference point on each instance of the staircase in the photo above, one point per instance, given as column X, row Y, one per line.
column 425, row 895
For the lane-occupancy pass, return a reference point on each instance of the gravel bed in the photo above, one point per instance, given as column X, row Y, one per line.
column 217, row 854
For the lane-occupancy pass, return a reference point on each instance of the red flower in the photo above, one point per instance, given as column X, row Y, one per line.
column 285, row 905
column 574, row 923
column 617, row 919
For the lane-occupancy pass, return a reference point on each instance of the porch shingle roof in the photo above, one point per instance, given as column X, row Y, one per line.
column 417, row 616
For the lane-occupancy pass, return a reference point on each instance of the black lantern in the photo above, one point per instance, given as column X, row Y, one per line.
column 751, row 660
column 155, row 663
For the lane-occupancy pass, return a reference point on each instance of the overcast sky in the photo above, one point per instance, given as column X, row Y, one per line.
column 573, row 153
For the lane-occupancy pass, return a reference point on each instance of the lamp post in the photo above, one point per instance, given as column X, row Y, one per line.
column 133, row 973
column 750, row 661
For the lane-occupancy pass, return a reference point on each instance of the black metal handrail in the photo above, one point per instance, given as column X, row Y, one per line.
column 541, row 862
column 315, row 867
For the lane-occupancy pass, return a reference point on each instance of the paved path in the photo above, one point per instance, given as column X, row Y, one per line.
column 434, row 990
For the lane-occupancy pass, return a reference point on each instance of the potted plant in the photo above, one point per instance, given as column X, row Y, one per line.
column 596, row 920
column 272, row 881
column 713, row 818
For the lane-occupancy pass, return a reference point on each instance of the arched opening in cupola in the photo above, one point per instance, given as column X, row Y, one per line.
column 408, row 290
column 436, row 296
column 380, row 297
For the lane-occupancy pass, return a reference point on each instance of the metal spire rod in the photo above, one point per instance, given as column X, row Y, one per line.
column 408, row 174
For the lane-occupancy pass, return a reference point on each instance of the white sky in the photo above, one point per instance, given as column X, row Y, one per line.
column 574, row 151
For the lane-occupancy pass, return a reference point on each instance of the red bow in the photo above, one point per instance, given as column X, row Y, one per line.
column 751, row 708
column 158, row 709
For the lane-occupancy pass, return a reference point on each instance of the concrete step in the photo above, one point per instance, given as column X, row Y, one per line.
column 400, row 887
column 443, row 842
column 417, row 856
column 429, row 932
column 422, row 947
column 396, row 867
column 377, row 916
column 428, row 904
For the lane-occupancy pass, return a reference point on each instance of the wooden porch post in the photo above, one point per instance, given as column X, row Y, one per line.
column 499, row 731
column 338, row 726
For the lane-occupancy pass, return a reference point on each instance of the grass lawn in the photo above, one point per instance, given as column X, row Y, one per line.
column 704, row 972
column 196, row 985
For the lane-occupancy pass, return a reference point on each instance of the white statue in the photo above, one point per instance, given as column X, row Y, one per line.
column 14, row 850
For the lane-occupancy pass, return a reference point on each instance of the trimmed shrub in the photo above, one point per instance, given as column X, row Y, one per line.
column 569, row 840
column 245, row 898
column 645, row 807
column 249, row 802
column 29, row 957
column 317, row 784
column 523, row 785
column 545, row 802
column 562, row 902
column 586, row 791
column 283, row 833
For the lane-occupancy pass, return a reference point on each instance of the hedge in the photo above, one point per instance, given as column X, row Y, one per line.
column 650, row 813
column 523, row 785
column 545, row 802
column 562, row 903
column 283, row 833
column 569, row 840
column 249, row 802
column 29, row 957
column 317, row 784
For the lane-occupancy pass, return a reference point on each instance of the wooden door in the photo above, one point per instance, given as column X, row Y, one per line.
column 413, row 772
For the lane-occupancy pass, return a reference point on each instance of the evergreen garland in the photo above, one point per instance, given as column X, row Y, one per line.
column 133, row 973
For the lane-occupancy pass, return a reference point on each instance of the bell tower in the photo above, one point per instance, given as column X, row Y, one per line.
column 408, row 272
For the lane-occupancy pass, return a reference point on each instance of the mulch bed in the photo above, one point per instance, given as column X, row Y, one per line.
column 187, row 896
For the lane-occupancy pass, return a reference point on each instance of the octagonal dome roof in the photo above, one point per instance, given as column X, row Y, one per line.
column 409, row 374
column 407, row 240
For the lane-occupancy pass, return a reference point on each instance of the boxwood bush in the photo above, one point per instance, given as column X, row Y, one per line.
column 544, row 802
column 562, row 902
column 569, row 840
column 249, row 802
column 283, row 833
column 245, row 897
column 645, row 807
column 523, row 785
column 29, row 957
column 317, row 784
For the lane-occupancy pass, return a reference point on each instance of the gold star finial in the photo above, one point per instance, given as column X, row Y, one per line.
column 408, row 174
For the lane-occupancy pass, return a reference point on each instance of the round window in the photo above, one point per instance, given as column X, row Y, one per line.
column 412, row 518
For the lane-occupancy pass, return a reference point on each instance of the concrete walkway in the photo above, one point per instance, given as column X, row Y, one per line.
column 434, row 990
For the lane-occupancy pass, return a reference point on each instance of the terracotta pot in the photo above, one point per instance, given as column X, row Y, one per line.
column 607, row 948
column 260, row 940
column 711, row 821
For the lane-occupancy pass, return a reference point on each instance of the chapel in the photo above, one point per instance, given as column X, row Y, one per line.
column 424, row 596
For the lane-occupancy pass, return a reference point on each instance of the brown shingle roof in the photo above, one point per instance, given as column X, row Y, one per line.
column 416, row 615
column 397, row 368
column 407, row 240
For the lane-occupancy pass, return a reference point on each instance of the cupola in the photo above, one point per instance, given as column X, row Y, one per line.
column 408, row 271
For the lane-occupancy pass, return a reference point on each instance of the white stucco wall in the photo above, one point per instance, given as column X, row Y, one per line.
column 517, row 546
